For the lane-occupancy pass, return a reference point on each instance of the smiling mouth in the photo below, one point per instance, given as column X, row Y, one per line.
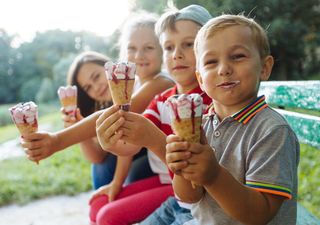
column 227, row 85
column 180, row 67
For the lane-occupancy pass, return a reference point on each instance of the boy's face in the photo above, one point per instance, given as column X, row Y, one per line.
column 178, row 52
column 231, row 68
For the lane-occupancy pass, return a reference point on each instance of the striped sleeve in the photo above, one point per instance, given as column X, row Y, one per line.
column 270, row 188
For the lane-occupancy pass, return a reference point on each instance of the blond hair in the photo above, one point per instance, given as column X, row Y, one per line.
column 216, row 24
column 134, row 22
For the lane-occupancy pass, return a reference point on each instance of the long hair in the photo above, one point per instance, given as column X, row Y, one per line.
column 86, row 104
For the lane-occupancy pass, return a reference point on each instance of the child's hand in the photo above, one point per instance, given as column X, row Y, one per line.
column 111, row 190
column 69, row 119
column 203, row 166
column 39, row 145
column 177, row 153
column 107, row 127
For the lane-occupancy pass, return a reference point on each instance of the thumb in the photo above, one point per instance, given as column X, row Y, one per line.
column 78, row 114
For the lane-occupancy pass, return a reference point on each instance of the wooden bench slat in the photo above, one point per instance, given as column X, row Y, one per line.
column 306, row 127
column 292, row 94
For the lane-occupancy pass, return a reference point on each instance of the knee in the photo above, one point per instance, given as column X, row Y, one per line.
column 95, row 207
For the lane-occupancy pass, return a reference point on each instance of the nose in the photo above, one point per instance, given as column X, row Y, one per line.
column 177, row 53
column 139, row 54
column 224, row 69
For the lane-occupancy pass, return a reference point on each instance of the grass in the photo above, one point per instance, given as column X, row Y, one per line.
column 309, row 179
column 22, row 181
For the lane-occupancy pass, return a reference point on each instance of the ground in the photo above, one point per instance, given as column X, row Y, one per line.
column 62, row 210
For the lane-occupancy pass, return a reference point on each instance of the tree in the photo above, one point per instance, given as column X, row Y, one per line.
column 293, row 28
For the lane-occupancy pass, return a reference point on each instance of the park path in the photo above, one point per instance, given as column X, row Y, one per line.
column 60, row 210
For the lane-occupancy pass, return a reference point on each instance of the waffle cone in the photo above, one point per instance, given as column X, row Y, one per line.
column 69, row 101
column 121, row 91
column 184, row 128
column 27, row 128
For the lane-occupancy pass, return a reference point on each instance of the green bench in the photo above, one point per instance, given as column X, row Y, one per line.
column 303, row 95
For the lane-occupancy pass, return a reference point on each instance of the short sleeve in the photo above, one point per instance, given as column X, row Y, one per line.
column 272, row 162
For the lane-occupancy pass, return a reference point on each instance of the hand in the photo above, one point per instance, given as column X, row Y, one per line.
column 39, row 145
column 111, row 190
column 177, row 153
column 201, row 167
column 69, row 119
column 107, row 127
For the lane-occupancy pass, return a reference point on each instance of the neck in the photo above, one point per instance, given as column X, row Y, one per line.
column 186, row 89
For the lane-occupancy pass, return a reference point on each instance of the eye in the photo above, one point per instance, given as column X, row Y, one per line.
column 95, row 78
column 237, row 56
column 188, row 44
column 150, row 47
column 210, row 62
column 168, row 48
column 131, row 48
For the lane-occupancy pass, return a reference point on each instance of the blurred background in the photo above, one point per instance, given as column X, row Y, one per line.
column 40, row 38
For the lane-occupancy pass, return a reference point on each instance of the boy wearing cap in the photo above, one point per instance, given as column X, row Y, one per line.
column 247, row 171
column 177, row 31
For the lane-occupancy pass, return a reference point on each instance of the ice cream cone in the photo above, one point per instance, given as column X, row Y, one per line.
column 121, row 81
column 186, row 117
column 25, row 117
column 68, row 99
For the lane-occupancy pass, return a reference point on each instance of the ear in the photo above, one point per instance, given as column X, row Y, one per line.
column 266, row 68
column 199, row 78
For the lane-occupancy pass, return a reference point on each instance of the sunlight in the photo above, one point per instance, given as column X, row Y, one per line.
column 25, row 18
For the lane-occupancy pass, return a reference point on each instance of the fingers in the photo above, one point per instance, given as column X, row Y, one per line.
column 173, row 138
column 107, row 113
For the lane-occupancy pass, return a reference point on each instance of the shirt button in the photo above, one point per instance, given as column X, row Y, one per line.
column 217, row 133
column 215, row 122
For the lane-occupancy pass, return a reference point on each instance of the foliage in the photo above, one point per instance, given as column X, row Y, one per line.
column 293, row 28
column 22, row 181
column 309, row 180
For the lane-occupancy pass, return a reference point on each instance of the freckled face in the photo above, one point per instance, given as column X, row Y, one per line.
column 93, row 80
column 231, row 67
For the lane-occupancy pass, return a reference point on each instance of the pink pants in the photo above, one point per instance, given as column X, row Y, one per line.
column 133, row 204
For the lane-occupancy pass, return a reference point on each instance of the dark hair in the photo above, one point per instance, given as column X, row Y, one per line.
column 86, row 104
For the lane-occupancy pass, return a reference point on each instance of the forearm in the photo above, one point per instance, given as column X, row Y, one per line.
column 78, row 132
column 241, row 202
column 92, row 151
column 185, row 191
column 122, row 169
column 156, row 142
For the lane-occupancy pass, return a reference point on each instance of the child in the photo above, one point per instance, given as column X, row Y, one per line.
column 139, row 44
column 246, row 173
column 88, row 74
column 177, row 31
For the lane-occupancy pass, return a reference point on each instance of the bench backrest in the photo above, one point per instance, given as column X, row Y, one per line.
column 296, row 94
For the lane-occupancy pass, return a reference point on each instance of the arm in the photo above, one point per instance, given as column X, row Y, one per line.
column 239, row 201
column 90, row 148
column 41, row 145
column 143, row 96
column 115, row 186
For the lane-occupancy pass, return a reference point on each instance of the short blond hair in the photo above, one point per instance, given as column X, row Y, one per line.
column 216, row 24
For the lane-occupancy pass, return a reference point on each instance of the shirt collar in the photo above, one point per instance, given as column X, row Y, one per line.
column 248, row 112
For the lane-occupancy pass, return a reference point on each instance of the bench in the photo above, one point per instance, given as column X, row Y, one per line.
column 297, row 95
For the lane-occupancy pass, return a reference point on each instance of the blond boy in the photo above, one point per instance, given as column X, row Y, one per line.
column 246, row 170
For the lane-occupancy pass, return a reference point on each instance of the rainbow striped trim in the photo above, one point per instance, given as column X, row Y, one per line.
column 246, row 114
column 270, row 188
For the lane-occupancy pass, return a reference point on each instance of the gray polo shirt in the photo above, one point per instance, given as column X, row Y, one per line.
column 260, row 150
